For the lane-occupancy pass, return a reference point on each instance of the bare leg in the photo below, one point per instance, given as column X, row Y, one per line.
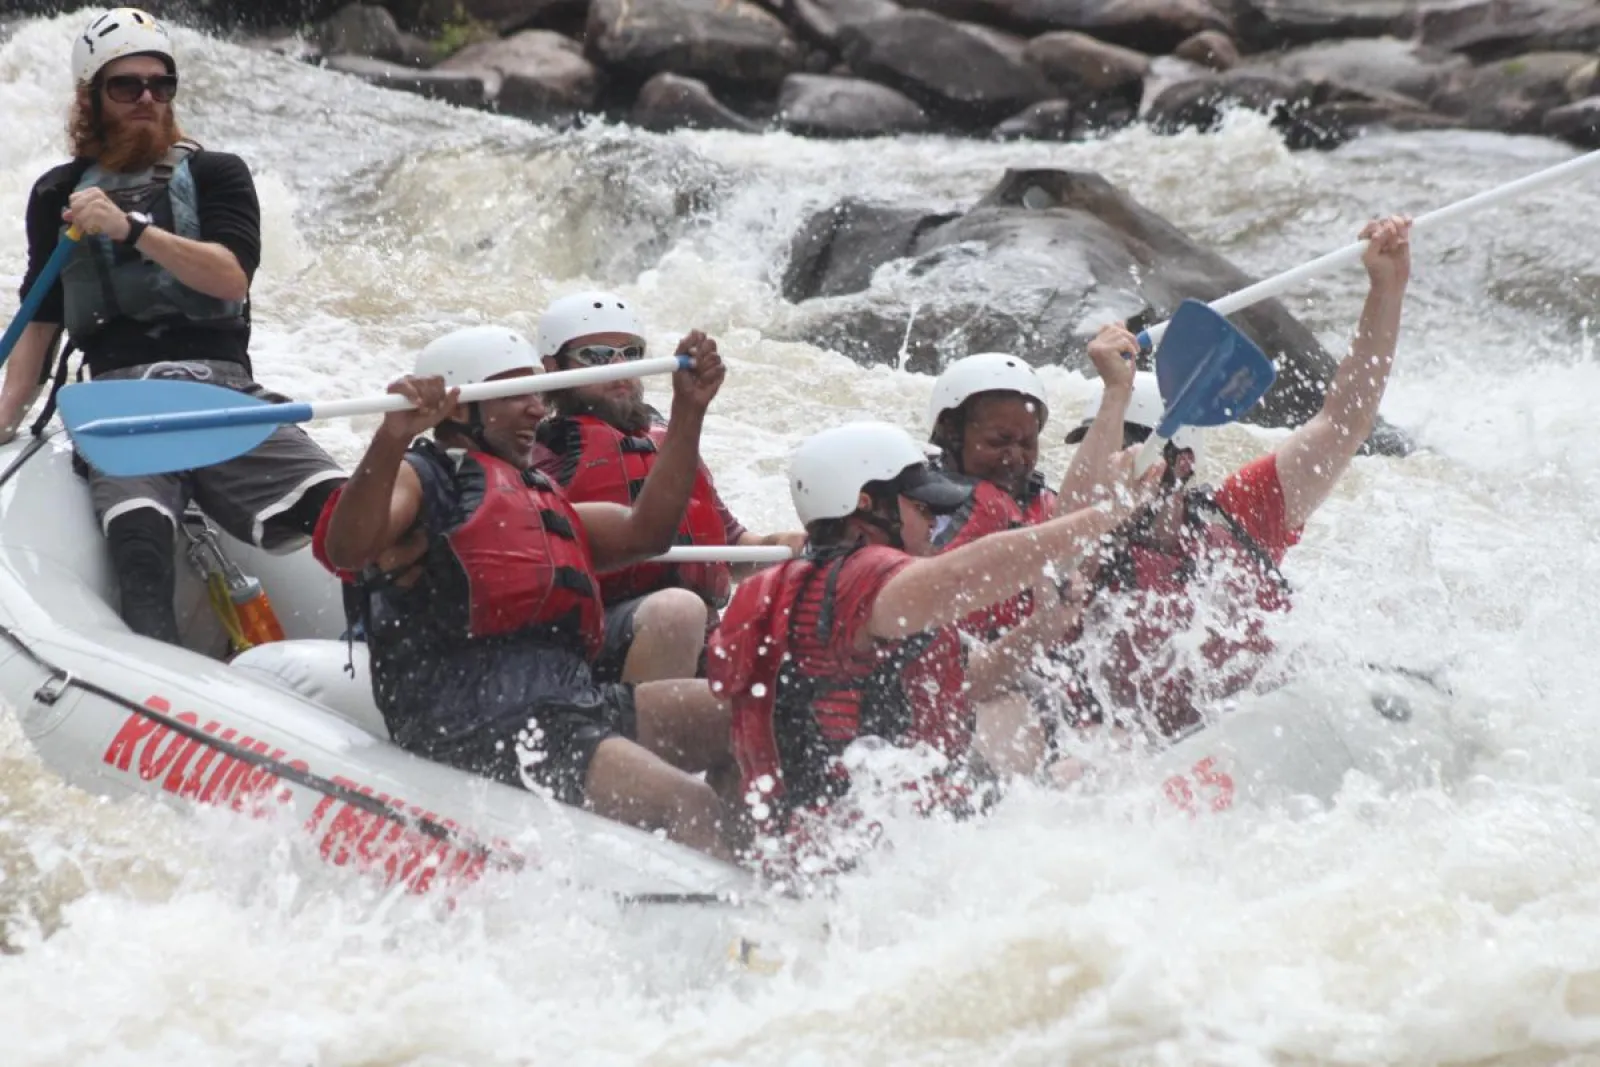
column 1009, row 737
column 683, row 723
column 633, row 786
column 669, row 630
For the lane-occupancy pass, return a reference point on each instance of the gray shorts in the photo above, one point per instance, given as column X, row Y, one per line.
column 243, row 495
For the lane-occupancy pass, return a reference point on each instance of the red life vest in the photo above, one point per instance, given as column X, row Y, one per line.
column 612, row 466
column 514, row 560
column 797, row 704
column 1143, row 667
column 988, row 510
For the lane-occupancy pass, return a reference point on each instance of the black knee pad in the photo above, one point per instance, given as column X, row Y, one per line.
column 142, row 543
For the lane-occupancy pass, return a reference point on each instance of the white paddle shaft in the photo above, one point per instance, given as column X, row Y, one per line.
column 725, row 554
column 1351, row 253
column 528, row 383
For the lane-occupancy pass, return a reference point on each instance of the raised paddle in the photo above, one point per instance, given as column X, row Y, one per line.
column 1193, row 355
column 1209, row 374
column 155, row 426
column 41, row 286
column 1351, row 253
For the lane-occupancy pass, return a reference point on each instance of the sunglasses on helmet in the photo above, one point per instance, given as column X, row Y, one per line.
column 599, row 355
column 128, row 88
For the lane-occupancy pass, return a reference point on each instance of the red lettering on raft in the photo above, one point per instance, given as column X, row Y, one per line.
column 348, row 834
column 1219, row 787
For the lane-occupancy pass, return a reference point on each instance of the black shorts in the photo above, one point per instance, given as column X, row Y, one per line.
column 550, row 745
column 618, row 640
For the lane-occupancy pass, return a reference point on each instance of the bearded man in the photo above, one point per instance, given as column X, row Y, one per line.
column 159, row 287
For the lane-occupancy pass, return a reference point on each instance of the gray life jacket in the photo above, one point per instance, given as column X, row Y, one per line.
column 104, row 280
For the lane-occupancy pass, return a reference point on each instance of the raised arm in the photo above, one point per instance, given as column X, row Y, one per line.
column 1315, row 456
column 940, row 590
column 1112, row 352
column 648, row 528
column 381, row 501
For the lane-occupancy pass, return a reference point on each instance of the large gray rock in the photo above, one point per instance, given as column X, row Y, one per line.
column 1384, row 63
column 1210, row 48
column 362, row 30
column 669, row 101
column 1151, row 26
column 821, row 105
column 1030, row 269
column 725, row 41
column 1048, row 120
column 1081, row 66
column 505, row 16
column 1264, row 24
column 1491, row 29
column 959, row 73
column 1309, row 114
column 1577, row 122
column 821, row 20
column 1511, row 95
column 452, row 87
column 535, row 74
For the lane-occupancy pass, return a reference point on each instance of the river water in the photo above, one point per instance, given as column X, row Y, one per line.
column 1454, row 925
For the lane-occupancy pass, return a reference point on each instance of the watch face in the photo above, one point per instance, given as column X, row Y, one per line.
column 139, row 216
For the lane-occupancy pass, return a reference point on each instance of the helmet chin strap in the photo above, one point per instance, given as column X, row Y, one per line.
column 472, row 429
column 892, row 527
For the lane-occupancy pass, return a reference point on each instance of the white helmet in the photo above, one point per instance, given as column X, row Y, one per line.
column 584, row 313
column 1145, row 408
column 476, row 354
column 122, row 31
column 830, row 469
column 986, row 372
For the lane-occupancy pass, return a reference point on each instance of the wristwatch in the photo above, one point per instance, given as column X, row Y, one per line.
column 137, row 221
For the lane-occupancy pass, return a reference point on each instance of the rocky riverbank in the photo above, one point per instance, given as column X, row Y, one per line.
column 1046, row 69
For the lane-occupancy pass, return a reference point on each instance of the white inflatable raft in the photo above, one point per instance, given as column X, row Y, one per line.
column 286, row 726
column 283, row 726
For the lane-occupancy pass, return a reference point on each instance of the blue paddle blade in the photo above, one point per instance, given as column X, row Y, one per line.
column 1209, row 372
column 136, row 450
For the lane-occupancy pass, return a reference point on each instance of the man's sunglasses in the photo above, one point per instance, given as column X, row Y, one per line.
column 128, row 88
column 599, row 355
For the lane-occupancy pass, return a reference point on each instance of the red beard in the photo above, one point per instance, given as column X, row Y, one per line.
column 131, row 147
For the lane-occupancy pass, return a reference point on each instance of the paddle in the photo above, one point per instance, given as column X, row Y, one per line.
column 1191, row 356
column 41, row 286
column 1351, row 253
column 155, row 426
column 1211, row 372
column 725, row 554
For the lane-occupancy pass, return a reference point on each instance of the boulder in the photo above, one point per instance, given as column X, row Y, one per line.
column 503, row 16
column 535, row 74
column 1577, row 122
column 1210, row 48
column 1381, row 63
column 452, row 87
column 1309, row 114
column 959, row 73
column 1150, row 26
column 821, row 20
column 1267, row 24
column 1048, row 120
column 724, row 41
column 1510, row 95
column 369, row 30
column 1082, row 67
column 1493, row 29
column 669, row 101
column 822, row 105
column 1029, row 269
